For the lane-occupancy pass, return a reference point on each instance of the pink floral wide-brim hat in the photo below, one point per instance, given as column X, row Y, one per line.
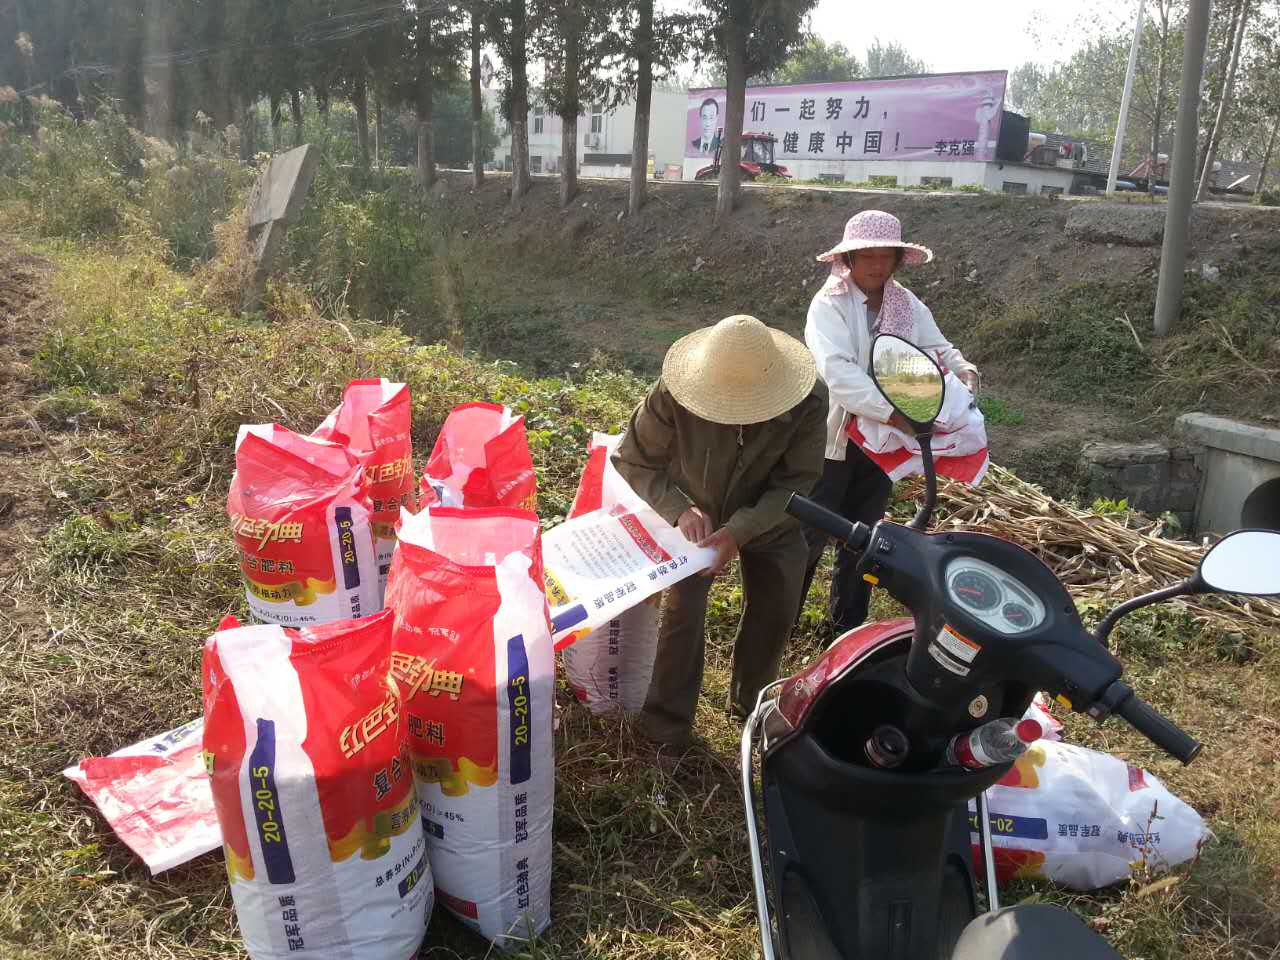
column 875, row 228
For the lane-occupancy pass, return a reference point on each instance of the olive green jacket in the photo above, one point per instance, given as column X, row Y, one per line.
column 741, row 477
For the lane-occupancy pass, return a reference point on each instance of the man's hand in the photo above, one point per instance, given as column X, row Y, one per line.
column 971, row 379
column 726, row 549
column 695, row 525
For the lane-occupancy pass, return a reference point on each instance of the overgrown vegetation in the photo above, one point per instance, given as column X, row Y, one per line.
column 131, row 374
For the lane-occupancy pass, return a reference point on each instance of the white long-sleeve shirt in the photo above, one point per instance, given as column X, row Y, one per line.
column 839, row 337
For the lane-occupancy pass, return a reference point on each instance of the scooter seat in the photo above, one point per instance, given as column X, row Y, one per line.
column 1034, row 931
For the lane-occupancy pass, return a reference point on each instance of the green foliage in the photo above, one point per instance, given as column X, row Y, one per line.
column 1110, row 508
column 816, row 61
column 102, row 180
column 891, row 59
column 998, row 411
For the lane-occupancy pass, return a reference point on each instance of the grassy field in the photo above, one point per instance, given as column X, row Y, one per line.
column 130, row 386
column 127, row 378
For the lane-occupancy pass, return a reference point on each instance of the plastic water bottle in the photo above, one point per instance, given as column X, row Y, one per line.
column 997, row 741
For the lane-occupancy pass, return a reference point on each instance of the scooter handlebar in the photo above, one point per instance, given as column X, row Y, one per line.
column 853, row 535
column 1162, row 732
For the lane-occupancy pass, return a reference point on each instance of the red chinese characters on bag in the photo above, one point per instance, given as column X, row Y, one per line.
column 472, row 651
column 304, row 743
column 481, row 459
column 299, row 511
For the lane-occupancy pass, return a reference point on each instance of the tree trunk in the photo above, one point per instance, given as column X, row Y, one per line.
column 644, row 97
column 360, row 100
column 735, row 41
column 477, row 103
column 519, row 105
column 1224, row 104
column 277, row 120
column 1224, row 58
column 379, row 133
column 1266, row 157
column 295, row 107
column 322, row 101
column 570, row 108
column 248, row 132
column 425, row 109
column 1162, row 79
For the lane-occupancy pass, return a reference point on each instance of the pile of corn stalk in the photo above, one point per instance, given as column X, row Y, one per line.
column 1103, row 560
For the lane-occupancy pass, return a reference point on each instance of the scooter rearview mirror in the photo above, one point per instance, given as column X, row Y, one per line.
column 913, row 384
column 909, row 379
column 1245, row 562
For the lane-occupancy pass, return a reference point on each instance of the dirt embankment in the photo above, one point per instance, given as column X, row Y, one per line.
column 1011, row 284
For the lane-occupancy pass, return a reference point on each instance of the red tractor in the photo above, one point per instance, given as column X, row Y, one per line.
column 757, row 159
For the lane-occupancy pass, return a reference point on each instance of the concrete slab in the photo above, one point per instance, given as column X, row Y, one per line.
column 282, row 187
column 275, row 202
column 1219, row 433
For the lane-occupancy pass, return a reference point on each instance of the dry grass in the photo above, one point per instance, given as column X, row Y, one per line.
column 121, row 565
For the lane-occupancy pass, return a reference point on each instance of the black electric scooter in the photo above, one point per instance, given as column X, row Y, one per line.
column 869, row 863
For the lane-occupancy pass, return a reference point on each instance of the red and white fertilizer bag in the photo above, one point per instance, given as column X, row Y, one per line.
column 612, row 553
column 373, row 422
column 155, row 794
column 611, row 666
column 472, row 650
column 1084, row 819
column 481, row 459
column 304, row 741
column 299, row 510
column 959, row 441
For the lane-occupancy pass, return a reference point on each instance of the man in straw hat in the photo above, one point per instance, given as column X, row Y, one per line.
column 859, row 301
column 734, row 426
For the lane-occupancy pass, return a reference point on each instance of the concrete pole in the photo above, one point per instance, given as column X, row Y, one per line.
column 1182, row 180
column 1114, row 169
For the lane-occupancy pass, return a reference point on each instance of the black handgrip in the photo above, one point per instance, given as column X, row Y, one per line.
column 1162, row 732
column 853, row 535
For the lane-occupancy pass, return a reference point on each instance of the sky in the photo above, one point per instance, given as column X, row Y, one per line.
column 950, row 35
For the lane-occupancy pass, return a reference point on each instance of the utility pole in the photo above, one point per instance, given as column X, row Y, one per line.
column 1182, row 180
column 1114, row 169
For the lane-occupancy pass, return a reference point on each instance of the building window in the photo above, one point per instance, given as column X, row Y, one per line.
column 1012, row 186
column 1050, row 191
column 597, row 118
column 535, row 163
column 935, row 181
column 831, row 177
column 538, row 115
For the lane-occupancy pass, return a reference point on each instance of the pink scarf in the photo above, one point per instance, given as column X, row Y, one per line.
column 896, row 316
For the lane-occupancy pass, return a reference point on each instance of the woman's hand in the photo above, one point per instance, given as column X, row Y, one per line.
column 902, row 423
column 695, row 525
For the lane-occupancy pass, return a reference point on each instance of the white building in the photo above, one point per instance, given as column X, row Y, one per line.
column 604, row 137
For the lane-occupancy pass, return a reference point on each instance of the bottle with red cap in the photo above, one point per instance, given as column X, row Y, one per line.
column 997, row 741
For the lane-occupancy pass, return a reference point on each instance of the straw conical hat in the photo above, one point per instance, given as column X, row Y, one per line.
column 738, row 372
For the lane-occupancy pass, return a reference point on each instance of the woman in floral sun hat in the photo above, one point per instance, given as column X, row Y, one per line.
column 859, row 301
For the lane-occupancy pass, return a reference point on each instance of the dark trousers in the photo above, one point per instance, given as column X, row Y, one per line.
column 772, row 569
column 858, row 490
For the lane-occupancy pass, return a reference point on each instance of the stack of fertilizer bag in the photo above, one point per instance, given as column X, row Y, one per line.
column 607, row 566
column 472, row 655
column 306, row 739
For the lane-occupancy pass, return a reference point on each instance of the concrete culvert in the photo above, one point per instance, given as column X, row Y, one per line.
column 1262, row 507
